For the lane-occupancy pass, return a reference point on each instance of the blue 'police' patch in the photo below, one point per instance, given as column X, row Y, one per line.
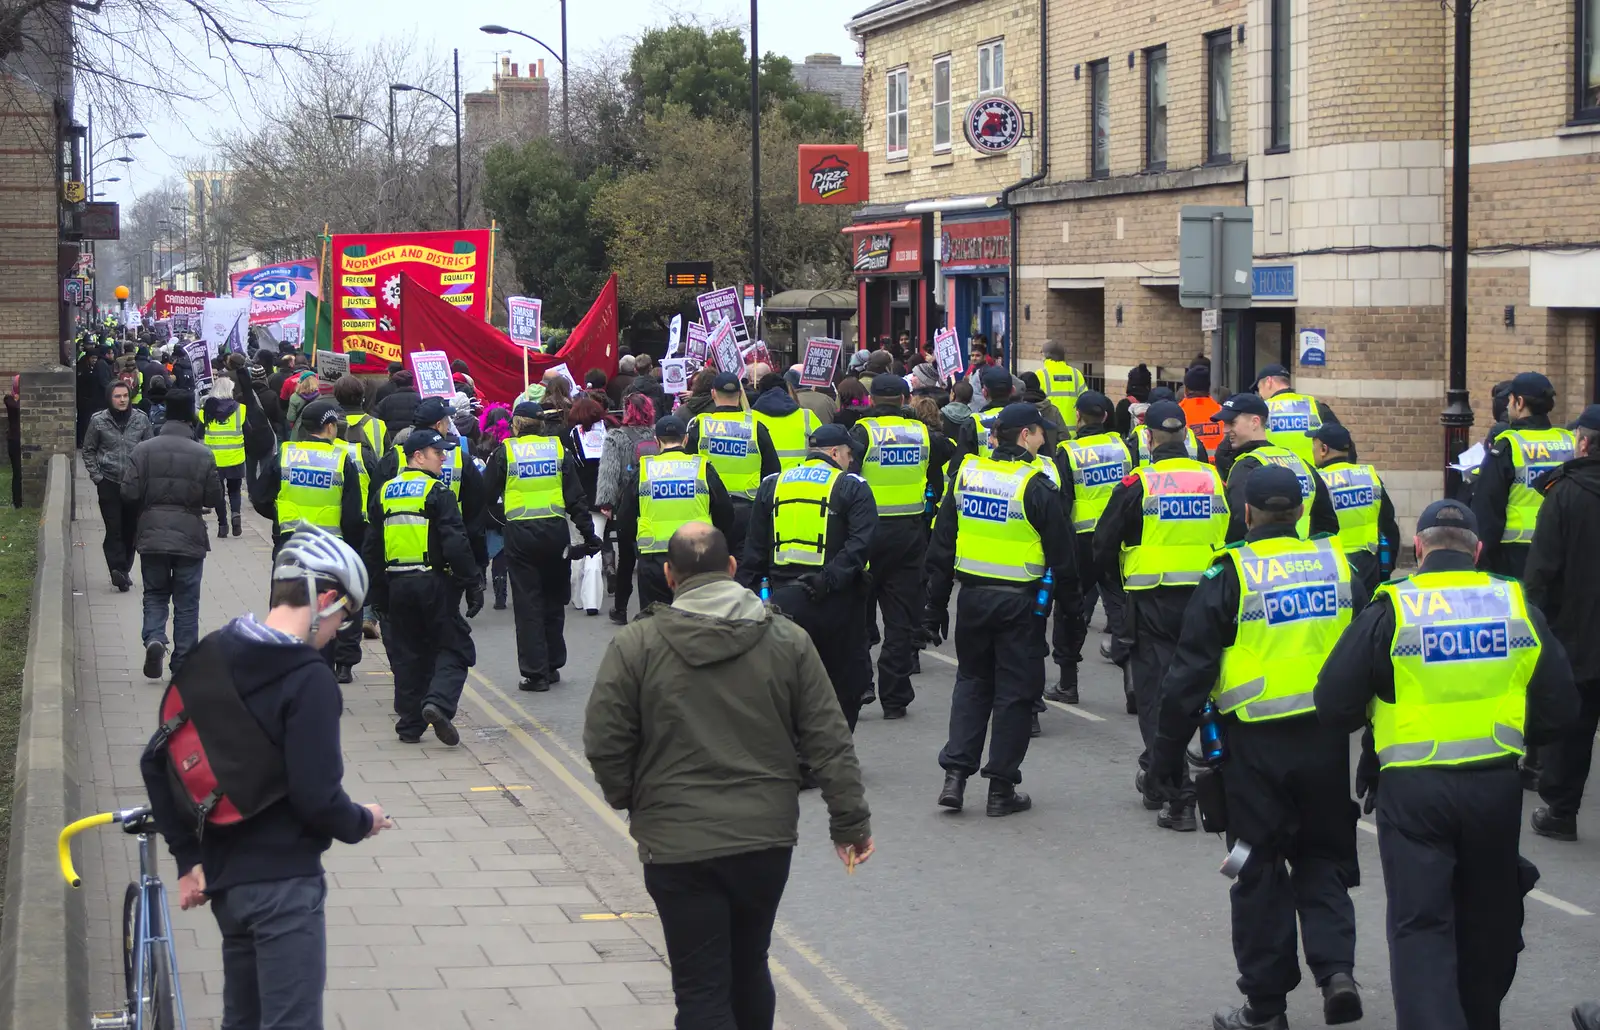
column 1465, row 642
column 1298, row 604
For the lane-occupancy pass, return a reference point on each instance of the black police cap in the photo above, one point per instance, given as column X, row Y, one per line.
column 1273, row 488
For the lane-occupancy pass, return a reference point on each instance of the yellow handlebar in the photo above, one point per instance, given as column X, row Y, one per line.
column 64, row 843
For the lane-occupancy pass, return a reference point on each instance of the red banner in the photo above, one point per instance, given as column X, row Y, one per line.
column 166, row 303
column 367, row 272
column 429, row 323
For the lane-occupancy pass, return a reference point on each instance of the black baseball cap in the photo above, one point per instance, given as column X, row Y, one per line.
column 670, row 427
column 430, row 410
column 320, row 413
column 994, row 377
column 1589, row 418
column 887, row 384
column 1241, row 404
column 1273, row 488
column 1334, row 435
column 1161, row 393
column 1272, row 372
column 1448, row 514
column 423, row 438
column 1165, row 415
column 830, row 435
column 1095, row 402
column 527, row 409
column 1018, row 416
column 726, row 382
column 1531, row 384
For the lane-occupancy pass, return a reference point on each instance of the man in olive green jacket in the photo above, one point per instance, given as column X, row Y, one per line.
column 692, row 728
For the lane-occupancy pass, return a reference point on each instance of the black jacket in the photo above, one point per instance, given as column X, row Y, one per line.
column 1360, row 669
column 473, row 502
column 939, row 447
column 1388, row 528
column 171, row 478
column 292, row 694
column 1562, row 575
column 852, row 520
column 1323, row 518
column 769, row 454
column 1041, row 503
column 269, row 480
column 971, row 433
column 1489, row 495
column 449, row 550
column 396, row 409
column 627, row 509
column 1122, row 523
column 542, row 534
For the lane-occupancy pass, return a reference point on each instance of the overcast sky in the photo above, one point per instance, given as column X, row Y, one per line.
column 788, row 27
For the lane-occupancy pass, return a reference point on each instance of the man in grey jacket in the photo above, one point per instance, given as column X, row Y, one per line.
column 692, row 728
column 170, row 479
column 108, row 443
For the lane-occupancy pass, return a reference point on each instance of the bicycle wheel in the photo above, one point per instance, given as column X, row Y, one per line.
column 160, row 987
column 130, row 934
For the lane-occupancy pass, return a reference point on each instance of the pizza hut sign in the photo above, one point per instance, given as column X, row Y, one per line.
column 832, row 174
column 993, row 125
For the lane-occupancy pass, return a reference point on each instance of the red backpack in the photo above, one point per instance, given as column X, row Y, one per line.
column 222, row 765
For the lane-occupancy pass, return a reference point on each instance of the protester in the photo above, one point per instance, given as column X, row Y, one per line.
column 494, row 427
column 1139, row 383
column 157, row 395
column 731, row 695
column 624, row 445
column 699, row 399
column 819, row 400
column 648, row 382
column 619, row 383
column 222, row 427
column 14, row 438
column 557, row 395
column 595, row 380
column 306, row 390
column 285, row 369
column 108, row 445
column 978, row 354
column 959, row 411
column 396, row 407
column 588, row 426
column 854, row 402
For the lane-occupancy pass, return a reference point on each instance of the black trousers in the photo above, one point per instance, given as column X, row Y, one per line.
column 232, row 488
column 1000, row 650
column 346, row 647
column 717, row 916
column 898, row 547
column 740, row 527
column 1287, row 784
column 1448, row 841
column 652, row 571
column 1365, row 571
column 429, row 645
column 541, row 587
column 627, row 560
column 122, row 525
column 836, row 630
column 1152, row 620
column 1069, row 633
column 1566, row 763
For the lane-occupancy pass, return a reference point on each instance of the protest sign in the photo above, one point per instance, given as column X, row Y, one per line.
column 757, row 353
column 565, row 373
column 725, row 304
column 170, row 303
column 675, row 336
column 696, row 347
column 593, row 440
column 723, row 349
column 431, row 369
column 225, row 325
column 947, row 352
column 675, row 375
column 821, row 358
column 331, row 366
column 200, row 364
column 526, row 323
column 276, row 292
column 163, row 329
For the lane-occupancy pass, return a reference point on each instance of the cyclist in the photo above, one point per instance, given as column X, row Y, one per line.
column 264, row 871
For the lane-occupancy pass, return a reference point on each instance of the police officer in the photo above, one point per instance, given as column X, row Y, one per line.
column 1291, row 415
column 739, row 447
column 788, row 424
column 810, row 536
column 1003, row 532
column 1158, row 535
column 536, row 492
column 975, row 433
column 1505, row 500
column 668, row 489
column 903, row 464
column 1454, row 671
column 421, row 564
column 1362, row 505
column 1060, row 381
column 316, row 481
column 1139, row 439
column 1260, row 624
column 460, row 474
column 1246, row 417
column 1092, row 464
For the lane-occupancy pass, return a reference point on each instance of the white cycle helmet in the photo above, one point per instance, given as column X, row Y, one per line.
column 314, row 554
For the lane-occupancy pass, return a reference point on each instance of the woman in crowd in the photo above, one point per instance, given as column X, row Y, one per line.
column 587, row 426
column 854, row 402
column 617, row 460
column 493, row 431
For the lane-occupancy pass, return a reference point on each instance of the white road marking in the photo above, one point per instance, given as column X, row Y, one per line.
column 1069, row 709
column 1536, row 895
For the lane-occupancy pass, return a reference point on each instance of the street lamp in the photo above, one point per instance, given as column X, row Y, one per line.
column 107, row 143
column 755, row 164
column 184, row 211
column 112, row 160
column 372, row 125
column 455, row 109
column 561, row 59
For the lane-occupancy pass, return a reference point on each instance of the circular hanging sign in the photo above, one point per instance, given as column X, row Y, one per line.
column 993, row 125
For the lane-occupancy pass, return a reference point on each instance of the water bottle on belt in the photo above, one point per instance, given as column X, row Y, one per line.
column 766, row 590
column 1041, row 601
column 1212, row 745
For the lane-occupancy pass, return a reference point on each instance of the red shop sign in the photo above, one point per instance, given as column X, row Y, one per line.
column 966, row 245
column 887, row 248
column 832, row 174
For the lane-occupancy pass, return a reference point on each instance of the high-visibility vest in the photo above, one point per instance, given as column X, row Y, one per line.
column 311, row 484
column 1294, row 601
column 449, row 473
column 1062, row 384
column 730, row 442
column 1533, row 453
column 1290, row 416
column 1097, row 463
column 983, row 423
column 1141, row 438
column 1198, row 411
column 226, row 439
column 800, row 502
column 353, row 448
column 1357, row 495
column 367, row 428
column 994, row 538
column 672, row 491
column 533, row 478
column 1185, row 523
column 895, row 465
column 791, row 435
column 1047, row 465
column 1463, row 652
column 405, row 527
column 1274, row 455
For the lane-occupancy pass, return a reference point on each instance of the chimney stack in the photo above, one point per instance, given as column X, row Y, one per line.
column 513, row 71
column 541, row 68
column 505, row 62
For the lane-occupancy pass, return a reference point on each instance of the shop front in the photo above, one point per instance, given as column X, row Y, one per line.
column 893, row 265
column 975, row 262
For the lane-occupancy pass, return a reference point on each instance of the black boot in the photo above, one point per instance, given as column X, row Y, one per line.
column 1066, row 689
column 499, row 580
column 1242, row 1018
column 954, row 793
column 1341, row 1000
column 1005, row 798
column 916, row 663
column 222, row 529
column 1150, row 803
column 1586, row 1015
column 1035, row 730
column 238, row 525
column 343, row 673
column 1557, row 827
column 1178, row 815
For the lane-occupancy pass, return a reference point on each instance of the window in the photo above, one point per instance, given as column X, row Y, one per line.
column 1280, row 76
column 1588, row 51
column 1100, row 118
column 941, row 103
column 1219, row 96
column 1155, row 109
column 896, row 122
column 992, row 67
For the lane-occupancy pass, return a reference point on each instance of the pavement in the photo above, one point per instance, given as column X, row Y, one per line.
column 510, row 890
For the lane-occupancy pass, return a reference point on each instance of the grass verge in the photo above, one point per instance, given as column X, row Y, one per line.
column 19, row 542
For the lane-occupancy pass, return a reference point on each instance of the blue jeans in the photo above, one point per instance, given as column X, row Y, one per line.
column 274, row 953
column 170, row 578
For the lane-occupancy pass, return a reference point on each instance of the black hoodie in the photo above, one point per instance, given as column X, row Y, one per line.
column 292, row 694
column 1564, row 565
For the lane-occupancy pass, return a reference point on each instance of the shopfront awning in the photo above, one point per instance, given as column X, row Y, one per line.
column 909, row 223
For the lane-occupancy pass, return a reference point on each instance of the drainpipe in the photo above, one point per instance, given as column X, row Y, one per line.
column 1042, row 128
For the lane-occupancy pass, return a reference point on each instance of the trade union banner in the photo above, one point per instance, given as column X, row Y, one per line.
column 276, row 292
column 166, row 303
column 456, row 267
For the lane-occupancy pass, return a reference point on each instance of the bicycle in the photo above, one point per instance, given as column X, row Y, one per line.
column 149, row 959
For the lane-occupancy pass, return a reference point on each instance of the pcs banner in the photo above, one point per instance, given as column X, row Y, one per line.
column 454, row 266
column 276, row 292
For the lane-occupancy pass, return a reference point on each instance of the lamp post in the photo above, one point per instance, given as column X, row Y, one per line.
column 96, row 151
column 455, row 109
column 561, row 59
column 755, row 163
column 184, row 212
column 172, row 282
column 387, row 135
column 1457, row 415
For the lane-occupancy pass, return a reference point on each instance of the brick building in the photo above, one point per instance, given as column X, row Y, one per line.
column 515, row 108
